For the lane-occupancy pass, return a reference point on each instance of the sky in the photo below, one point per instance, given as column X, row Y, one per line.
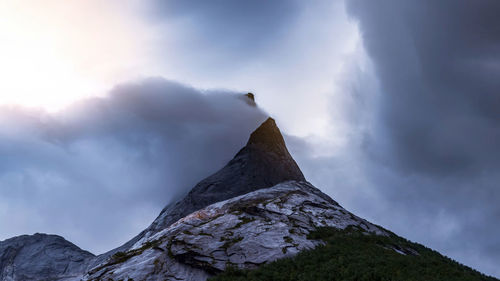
column 109, row 111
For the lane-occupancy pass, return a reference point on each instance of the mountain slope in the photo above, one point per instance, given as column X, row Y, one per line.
column 245, row 231
column 352, row 255
column 41, row 257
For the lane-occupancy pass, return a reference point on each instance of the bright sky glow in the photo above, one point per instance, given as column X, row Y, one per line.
column 53, row 54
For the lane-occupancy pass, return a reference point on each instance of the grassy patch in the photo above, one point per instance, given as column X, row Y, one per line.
column 243, row 220
column 231, row 242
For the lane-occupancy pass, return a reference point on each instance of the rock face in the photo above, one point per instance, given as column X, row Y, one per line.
column 41, row 257
column 245, row 231
column 256, row 209
column 263, row 162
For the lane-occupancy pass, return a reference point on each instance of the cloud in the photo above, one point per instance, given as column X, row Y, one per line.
column 422, row 156
column 224, row 29
column 396, row 108
column 288, row 52
column 98, row 172
column 436, row 63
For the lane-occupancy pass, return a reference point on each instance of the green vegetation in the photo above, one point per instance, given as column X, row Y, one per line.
column 230, row 242
column 243, row 220
column 288, row 239
column 353, row 255
column 121, row 257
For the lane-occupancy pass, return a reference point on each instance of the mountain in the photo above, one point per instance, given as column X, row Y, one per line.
column 41, row 257
column 263, row 162
column 255, row 219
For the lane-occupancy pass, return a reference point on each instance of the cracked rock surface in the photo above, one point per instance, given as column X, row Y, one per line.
column 245, row 231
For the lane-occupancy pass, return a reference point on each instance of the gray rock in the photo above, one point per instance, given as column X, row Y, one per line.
column 41, row 257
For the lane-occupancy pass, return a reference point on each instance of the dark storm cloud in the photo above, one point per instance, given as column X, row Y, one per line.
column 96, row 172
column 438, row 63
column 432, row 151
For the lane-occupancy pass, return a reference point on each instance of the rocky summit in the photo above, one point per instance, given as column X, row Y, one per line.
column 263, row 162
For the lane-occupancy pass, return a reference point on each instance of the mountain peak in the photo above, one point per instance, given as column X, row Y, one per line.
column 262, row 163
column 268, row 134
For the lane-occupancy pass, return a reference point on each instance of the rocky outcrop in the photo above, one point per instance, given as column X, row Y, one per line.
column 41, row 257
column 245, row 231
